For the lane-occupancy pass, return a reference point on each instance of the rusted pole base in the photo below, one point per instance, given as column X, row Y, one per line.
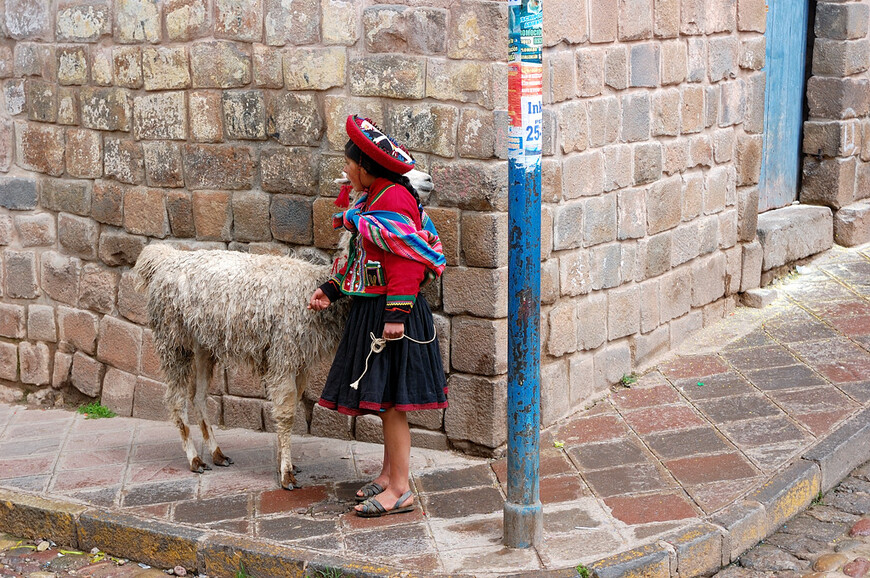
column 522, row 525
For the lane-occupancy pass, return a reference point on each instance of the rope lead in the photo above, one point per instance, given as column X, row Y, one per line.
column 378, row 345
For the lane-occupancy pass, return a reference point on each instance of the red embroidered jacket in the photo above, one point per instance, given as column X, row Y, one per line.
column 370, row 271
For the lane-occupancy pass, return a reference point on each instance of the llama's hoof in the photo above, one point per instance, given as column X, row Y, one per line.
column 198, row 466
column 288, row 481
column 220, row 459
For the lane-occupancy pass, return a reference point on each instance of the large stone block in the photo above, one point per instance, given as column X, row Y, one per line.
column 212, row 215
column 12, row 321
column 239, row 20
column 127, row 66
column 462, row 81
column 28, row 20
column 72, row 65
column 479, row 292
column 584, row 175
column 478, row 406
column 484, row 239
column 478, row 345
column 722, row 57
column 40, row 323
column 41, row 99
column 60, row 277
column 635, row 117
column 179, row 206
column 291, row 219
column 794, row 232
column 218, row 167
column 119, row 344
column 244, row 114
column 752, row 15
column 623, row 312
column 84, row 153
column 137, row 21
column 40, row 147
column 87, row 374
column 293, row 119
column 78, row 235
column 603, row 20
column 574, row 274
column 842, row 21
column 554, row 403
column 852, row 224
column 732, row 109
column 840, row 57
column 833, row 98
column 470, row 185
column 293, row 23
column 117, row 391
column 600, row 220
column 105, row 108
column 666, row 113
column 829, row 182
column 160, row 116
column 34, row 360
column 391, row 76
column 592, row 321
column 611, row 363
column 708, row 279
column 752, row 53
column 117, row 248
column 590, row 71
column 250, row 212
column 747, row 213
column 339, row 22
column 163, row 165
column 36, row 230
column 749, row 156
column 98, row 288
column 220, row 64
column 604, row 120
column 165, row 68
column 289, row 170
column 206, row 118
column 429, row 128
column 145, row 212
column 477, row 31
column 187, row 19
column 645, row 64
column 832, row 138
column 315, row 68
column 82, row 21
column 19, row 268
column 18, row 194
column 616, row 67
column 107, row 200
column 663, row 204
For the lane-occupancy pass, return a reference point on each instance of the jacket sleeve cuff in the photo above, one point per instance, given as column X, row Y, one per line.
column 398, row 308
column 331, row 290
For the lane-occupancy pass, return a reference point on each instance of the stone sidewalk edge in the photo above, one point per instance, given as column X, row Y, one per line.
column 166, row 545
column 703, row 548
column 698, row 549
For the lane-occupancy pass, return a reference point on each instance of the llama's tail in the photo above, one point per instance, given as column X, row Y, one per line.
column 148, row 262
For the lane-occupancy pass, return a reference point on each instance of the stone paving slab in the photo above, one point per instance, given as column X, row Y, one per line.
column 709, row 452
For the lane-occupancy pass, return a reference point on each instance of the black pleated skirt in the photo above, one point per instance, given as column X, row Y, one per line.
column 406, row 375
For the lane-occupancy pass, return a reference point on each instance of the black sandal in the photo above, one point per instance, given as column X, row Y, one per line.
column 370, row 490
column 373, row 508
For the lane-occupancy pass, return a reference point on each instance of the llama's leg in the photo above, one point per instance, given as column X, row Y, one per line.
column 284, row 399
column 205, row 368
column 179, row 386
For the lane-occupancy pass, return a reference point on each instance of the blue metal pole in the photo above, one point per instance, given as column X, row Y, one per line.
column 522, row 510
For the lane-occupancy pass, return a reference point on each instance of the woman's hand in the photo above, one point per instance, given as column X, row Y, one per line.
column 319, row 301
column 394, row 330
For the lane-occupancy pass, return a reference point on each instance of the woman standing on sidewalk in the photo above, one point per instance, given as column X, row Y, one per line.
column 388, row 361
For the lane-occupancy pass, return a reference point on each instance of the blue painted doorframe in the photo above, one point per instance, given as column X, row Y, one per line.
column 785, row 66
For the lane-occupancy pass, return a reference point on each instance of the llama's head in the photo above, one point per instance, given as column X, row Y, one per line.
column 420, row 181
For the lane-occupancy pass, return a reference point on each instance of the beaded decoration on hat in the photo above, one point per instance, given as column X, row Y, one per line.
column 378, row 146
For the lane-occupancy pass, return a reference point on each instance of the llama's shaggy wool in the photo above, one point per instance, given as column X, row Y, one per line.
column 240, row 307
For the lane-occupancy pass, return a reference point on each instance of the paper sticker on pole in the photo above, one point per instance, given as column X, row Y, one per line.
column 525, row 82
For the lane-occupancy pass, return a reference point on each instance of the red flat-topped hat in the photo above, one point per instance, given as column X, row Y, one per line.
column 378, row 146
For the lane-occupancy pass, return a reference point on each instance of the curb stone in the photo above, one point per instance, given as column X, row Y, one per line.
column 650, row 561
column 698, row 550
column 842, row 451
column 744, row 525
column 788, row 493
column 35, row 517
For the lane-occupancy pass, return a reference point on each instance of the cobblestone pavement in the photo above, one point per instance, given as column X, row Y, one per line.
column 831, row 538
column 732, row 422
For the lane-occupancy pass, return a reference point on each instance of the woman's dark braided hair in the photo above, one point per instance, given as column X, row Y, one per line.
column 354, row 153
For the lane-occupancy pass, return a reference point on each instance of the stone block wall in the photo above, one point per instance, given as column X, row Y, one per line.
column 836, row 166
column 220, row 124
